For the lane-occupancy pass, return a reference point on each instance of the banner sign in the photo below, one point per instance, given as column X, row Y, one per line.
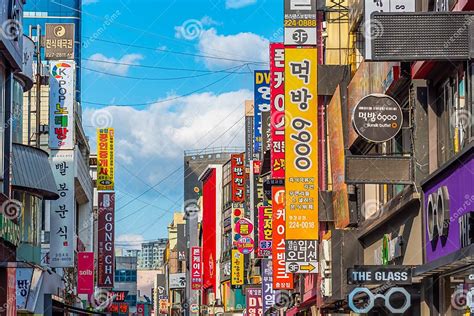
column 264, row 231
column 379, row 275
column 237, row 264
column 300, row 22
column 277, row 110
column 181, row 246
column 301, row 142
column 23, row 285
column 61, row 105
column 59, row 41
column 238, row 177
column 238, row 213
column 281, row 279
column 163, row 306
column 140, row 309
column 268, row 294
column 301, row 256
column 105, row 159
column 85, row 273
column 105, row 239
column 62, row 214
column 177, row 281
column 254, row 301
column 196, row 268
column 261, row 104
column 248, row 132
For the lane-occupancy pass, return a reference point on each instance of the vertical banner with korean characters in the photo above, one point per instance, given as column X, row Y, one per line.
column 254, row 301
column 61, row 105
column 261, row 104
column 264, row 249
column 238, row 177
column 63, row 214
column 301, row 156
column 105, row 239
column 282, row 280
column 85, row 273
column 277, row 110
column 105, row 159
column 268, row 293
column 237, row 268
column 196, row 268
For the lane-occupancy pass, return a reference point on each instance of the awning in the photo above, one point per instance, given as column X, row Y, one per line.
column 32, row 172
column 453, row 261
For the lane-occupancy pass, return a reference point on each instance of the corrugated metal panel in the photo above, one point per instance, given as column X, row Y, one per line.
column 32, row 172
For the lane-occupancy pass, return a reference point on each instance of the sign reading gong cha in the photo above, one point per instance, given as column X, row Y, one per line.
column 377, row 118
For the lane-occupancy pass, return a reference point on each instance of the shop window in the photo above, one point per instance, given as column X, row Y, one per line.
column 457, row 293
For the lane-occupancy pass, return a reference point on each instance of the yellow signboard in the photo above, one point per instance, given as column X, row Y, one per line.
column 105, row 159
column 301, row 142
column 237, row 268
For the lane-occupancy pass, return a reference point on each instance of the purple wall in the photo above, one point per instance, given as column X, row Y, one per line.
column 460, row 184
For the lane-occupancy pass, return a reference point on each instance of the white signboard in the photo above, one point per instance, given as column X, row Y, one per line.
column 372, row 29
column 300, row 22
column 61, row 104
column 62, row 213
column 177, row 281
column 23, row 284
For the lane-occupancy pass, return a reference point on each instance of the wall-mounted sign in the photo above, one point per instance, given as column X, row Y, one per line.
column 249, row 116
column 300, row 22
column 237, row 266
column 59, row 41
column 277, row 110
column 379, row 275
column 177, row 281
column 254, row 301
column 105, row 159
column 367, row 306
column 268, row 293
column 269, row 183
column 196, row 268
column 377, row 118
column 264, row 248
column 438, row 214
column 105, row 239
column 238, row 178
column 301, row 256
column 85, row 273
column 243, row 227
column 261, row 105
column 245, row 245
column 23, row 284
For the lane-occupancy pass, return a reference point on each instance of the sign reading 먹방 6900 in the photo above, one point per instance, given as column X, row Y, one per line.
column 301, row 142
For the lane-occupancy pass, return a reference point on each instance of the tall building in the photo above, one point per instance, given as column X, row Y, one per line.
column 151, row 254
column 126, row 279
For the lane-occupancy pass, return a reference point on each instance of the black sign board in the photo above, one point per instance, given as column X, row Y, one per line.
column 267, row 186
column 379, row 275
column 59, row 41
column 377, row 118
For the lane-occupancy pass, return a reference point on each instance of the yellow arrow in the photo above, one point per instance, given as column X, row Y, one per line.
column 309, row 267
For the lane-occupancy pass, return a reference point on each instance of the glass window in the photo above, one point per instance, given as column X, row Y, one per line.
column 457, row 293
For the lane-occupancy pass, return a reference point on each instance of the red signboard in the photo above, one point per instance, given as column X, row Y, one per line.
column 105, row 239
column 277, row 110
column 140, row 309
column 254, row 301
column 281, row 279
column 264, row 231
column 238, row 177
column 121, row 308
column 209, row 233
column 11, row 292
column 196, row 268
column 85, row 273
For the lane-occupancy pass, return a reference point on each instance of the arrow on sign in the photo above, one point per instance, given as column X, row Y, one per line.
column 309, row 267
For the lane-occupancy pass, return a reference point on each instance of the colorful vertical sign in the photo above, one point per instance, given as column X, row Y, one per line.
column 340, row 198
column 237, row 268
column 301, row 155
column 105, row 159
column 264, row 231
column 261, row 104
column 61, row 105
column 268, row 293
column 254, row 301
column 105, row 239
column 281, row 279
column 209, row 219
column 140, row 309
column 62, row 214
column 85, row 273
column 238, row 177
column 24, row 278
column 277, row 110
column 196, row 268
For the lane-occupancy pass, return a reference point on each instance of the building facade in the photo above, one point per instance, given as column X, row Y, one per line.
column 151, row 255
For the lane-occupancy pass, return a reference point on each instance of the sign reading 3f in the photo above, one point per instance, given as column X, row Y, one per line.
column 300, row 22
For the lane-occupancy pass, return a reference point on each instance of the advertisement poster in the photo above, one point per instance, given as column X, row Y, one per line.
column 261, row 104
column 106, row 237
column 281, row 279
column 264, row 231
column 237, row 264
column 254, row 301
column 62, row 214
column 277, row 110
column 61, row 105
column 105, row 159
column 85, row 273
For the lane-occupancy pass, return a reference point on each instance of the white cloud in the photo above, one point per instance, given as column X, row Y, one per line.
column 237, row 4
column 241, row 46
column 129, row 241
column 86, row 2
column 109, row 64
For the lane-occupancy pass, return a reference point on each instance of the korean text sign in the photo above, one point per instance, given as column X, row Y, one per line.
column 196, row 268
column 261, row 104
column 85, row 273
column 277, row 110
column 264, row 231
column 63, row 214
column 254, row 301
column 61, row 105
column 238, row 178
column 268, row 293
column 105, row 159
column 301, row 141
column 237, row 264
column 106, row 236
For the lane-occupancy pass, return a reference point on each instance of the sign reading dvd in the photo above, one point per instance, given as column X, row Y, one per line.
column 377, row 118
column 300, row 22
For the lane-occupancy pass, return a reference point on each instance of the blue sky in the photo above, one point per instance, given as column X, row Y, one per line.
column 150, row 138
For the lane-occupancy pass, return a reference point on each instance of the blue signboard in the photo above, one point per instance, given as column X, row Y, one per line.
column 261, row 104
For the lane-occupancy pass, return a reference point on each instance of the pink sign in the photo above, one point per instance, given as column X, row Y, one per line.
column 196, row 268
column 245, row 245
column 264, row 248
column 254, row 301
column 85, row 273
column 277, row 110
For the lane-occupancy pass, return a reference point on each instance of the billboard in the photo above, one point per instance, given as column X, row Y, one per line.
column 59, row 41
column 268, row 293
column 209, row 231
column 340, row 198
column 61, row 105
column 281, row 279
column 254, row 301
column 85, row 273
column 277, row 110
column 300, row 22
column 177, row 281
column 105, row 239
column 264, row 231
column 237, row 264
column 261, row 104
column 63, row 214
column 238, row 177
column 105, row 159
column 196, row 268
column 301, row 142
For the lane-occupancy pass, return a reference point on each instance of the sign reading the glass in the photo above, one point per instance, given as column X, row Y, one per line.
column 300, row 22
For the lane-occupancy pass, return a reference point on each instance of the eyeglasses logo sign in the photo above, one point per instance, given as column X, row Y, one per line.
column 386, row 297
column 438, row 216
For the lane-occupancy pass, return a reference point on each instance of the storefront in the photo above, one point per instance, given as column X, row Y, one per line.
column 448, row 207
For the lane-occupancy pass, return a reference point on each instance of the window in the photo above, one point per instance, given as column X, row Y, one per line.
column 125, row 276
